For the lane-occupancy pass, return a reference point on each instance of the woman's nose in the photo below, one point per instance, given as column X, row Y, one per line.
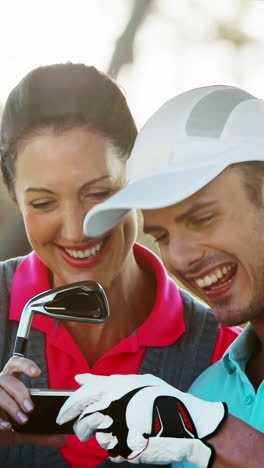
column 72, row 229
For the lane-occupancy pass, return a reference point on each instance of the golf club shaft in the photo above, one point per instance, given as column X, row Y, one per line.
column 23, row 332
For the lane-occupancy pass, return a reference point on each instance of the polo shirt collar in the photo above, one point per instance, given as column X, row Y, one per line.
column 240, row 351
column 164, row 325
column 30, row 279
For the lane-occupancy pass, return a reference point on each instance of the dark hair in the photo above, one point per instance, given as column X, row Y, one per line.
column 253, row 175
column 64, row 96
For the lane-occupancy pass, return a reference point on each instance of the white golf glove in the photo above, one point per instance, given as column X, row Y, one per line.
column 142, row 419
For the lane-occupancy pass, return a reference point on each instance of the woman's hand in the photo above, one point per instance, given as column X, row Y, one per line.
column 14, row 396
column 15, row 401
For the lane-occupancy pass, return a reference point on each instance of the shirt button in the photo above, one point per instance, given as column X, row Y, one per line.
column 248, row 399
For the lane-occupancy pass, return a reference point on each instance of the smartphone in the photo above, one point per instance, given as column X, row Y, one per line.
column 42, row 420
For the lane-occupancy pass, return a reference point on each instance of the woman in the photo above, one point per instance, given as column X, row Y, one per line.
column 66, row 135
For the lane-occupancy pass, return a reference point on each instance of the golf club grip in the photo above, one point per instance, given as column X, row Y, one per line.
column 20, row 346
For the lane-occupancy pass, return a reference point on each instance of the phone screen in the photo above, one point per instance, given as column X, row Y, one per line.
column 42, row 420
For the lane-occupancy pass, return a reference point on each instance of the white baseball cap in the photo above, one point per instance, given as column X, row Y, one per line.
column 186, row 143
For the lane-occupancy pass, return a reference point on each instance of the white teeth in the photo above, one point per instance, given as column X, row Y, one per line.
column 208, row 280
column 82, row 254
column 200, row 282
column 85, row 253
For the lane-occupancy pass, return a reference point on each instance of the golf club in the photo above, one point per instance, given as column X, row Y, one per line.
column 80, row 302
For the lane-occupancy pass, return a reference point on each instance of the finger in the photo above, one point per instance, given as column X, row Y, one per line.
column 18, row 365
column 4, row 423
column 106, row 440
column 99, row 388
column 96, row 380
column 87, row 425
column 14, row 387
column 97, row 406
column 75, row 404
column 12, row 409
column 13, row 393
column 82, row 379
column 102, row 383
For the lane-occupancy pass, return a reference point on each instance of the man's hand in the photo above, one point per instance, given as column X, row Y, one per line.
column 142, row 419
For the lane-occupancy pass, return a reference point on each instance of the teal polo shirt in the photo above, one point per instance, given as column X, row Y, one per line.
column 227, row 381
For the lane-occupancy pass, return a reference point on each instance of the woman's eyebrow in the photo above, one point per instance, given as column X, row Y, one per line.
column 93, row 181
column 37, row 189
column 86, row 185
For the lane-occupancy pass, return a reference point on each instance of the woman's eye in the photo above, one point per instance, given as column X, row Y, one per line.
column 99, row 195
column 42, row 204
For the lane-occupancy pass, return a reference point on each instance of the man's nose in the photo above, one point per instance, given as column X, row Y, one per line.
column 184, row 252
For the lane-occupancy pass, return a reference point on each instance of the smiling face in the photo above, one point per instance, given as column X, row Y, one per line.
column 59, row 177
column 213, row 242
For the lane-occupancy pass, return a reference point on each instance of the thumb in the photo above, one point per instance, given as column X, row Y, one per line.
column 82, row 379
column 88, row 424
column 91, row 379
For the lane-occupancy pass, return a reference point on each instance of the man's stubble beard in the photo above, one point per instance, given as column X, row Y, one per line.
column 228, row 315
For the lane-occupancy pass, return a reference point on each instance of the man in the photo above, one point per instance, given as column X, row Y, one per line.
column 197, row 172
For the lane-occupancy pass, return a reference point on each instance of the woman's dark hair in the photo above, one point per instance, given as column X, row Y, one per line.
column 64, row 96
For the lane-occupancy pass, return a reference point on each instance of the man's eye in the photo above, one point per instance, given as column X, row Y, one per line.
column 101, row 194
column 160, row 238
column 201, row 221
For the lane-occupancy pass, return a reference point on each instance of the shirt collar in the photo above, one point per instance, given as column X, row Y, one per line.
column 31, row 278
column 164, row 325
column 240, row 351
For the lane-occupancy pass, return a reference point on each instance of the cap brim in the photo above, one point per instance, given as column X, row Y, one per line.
column 151, row 192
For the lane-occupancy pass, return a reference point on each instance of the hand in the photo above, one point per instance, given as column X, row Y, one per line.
column 14, row 396
column 142, row 419
column 15, row 401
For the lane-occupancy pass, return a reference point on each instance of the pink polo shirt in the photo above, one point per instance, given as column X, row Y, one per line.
column 31, row 278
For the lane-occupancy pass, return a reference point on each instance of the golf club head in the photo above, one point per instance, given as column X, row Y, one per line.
column 80, row 302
